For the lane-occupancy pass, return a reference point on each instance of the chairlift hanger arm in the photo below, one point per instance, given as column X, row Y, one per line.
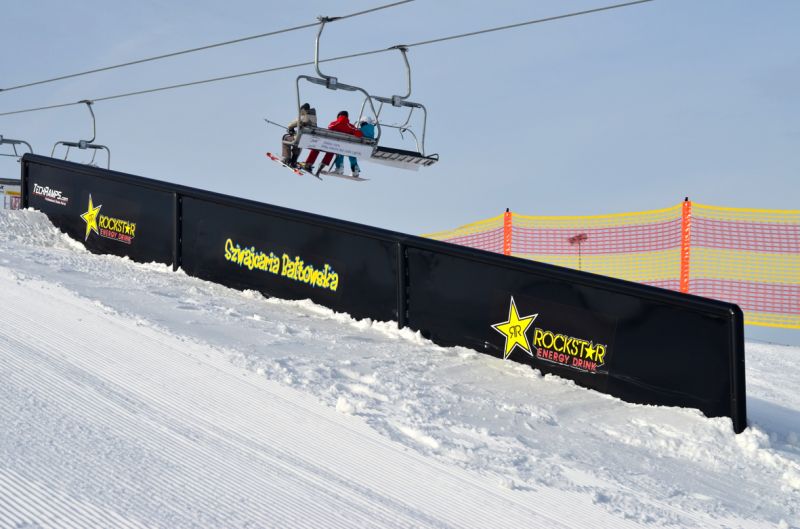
column 330, row 81
column 89, row 104
column 396, row 100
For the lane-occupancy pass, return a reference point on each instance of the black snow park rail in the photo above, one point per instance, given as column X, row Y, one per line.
column 639, row 343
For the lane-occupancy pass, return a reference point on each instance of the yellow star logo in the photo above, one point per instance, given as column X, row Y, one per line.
column 514, row 330
column 90, row 218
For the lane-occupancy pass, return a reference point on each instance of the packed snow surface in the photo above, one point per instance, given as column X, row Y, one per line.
column 135, row 396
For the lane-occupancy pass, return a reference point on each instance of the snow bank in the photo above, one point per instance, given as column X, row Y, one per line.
column 527, row 448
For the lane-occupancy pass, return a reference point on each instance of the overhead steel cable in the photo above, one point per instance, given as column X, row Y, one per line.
column 341, row 57
column 527, row 23
column 202, row 48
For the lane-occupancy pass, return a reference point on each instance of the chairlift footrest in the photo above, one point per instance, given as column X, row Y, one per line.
column 401, row 158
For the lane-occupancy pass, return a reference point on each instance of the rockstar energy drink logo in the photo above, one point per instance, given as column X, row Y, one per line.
column 108, row 227
column 568, row 350
column 547, row 345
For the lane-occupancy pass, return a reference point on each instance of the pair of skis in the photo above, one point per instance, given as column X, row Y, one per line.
column 301, row 172
column 295, row 170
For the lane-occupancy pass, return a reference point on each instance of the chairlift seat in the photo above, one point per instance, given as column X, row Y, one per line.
column 403, row 159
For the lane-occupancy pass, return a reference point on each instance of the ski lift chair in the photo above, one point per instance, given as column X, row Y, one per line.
column 85, row 144
column 14, row 143
column 402, row 158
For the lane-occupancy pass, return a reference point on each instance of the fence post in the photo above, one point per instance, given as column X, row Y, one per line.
column 507, row 232
column 177, row 230
column 23, row 188
column 686, row 240
column 402, row 286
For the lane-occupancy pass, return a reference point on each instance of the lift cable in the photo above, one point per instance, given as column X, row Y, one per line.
column 342, row 57
column 202, row 48
column 526, row 23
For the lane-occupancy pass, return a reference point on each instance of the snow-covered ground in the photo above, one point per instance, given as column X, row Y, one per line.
column 134, row 396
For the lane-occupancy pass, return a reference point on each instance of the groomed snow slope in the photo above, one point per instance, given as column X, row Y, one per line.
column 133, row 396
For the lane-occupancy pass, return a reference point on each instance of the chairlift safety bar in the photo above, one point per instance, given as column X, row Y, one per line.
column 14, row 143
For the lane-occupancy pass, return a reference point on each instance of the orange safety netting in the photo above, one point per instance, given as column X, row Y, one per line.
column 750, row 257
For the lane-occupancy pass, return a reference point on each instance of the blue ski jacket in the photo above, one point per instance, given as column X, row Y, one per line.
column 368, row 129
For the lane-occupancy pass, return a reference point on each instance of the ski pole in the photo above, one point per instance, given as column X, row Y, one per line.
column 276, row 124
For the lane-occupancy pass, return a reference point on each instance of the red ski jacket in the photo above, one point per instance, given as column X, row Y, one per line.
column 342, row 124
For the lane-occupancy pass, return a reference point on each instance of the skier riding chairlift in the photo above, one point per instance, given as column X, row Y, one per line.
column 367, row 127
column 340, row 124
column 307, row 118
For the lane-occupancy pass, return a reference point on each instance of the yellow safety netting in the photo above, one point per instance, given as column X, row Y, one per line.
column 746, row 256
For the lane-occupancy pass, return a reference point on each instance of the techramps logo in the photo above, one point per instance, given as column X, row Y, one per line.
column 49, row 194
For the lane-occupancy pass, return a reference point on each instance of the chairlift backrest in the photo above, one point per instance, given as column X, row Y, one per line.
column 85, row 144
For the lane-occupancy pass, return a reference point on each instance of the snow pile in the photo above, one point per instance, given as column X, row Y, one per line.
column 141, row 397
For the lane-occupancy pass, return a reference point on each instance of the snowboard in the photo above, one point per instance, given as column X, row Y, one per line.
column 346, row 177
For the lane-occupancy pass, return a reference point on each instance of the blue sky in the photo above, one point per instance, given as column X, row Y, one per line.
column 624, row 110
